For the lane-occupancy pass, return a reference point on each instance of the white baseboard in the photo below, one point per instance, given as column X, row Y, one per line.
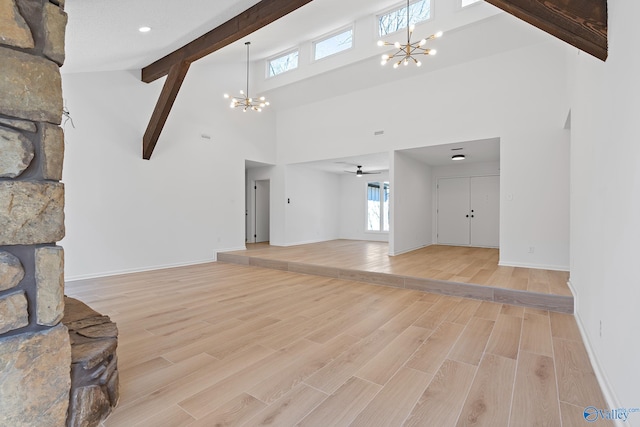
column 537, row 266
column 307, row 242
column 135, row 270
column 607, row 391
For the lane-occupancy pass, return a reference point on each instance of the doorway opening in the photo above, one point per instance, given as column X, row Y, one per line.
column 262, row 195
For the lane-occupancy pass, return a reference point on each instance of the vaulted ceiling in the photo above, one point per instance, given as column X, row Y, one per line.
column 104, row 36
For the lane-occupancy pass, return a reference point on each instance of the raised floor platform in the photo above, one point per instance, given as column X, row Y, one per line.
column 449, row 270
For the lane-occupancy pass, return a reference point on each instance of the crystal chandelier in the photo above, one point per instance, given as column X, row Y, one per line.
column 406, row 52
column 244, row 101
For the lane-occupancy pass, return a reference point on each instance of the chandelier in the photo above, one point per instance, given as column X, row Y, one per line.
column 406, row 52
column 245, row 101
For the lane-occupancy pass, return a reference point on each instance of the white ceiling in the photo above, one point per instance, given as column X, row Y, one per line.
column 485, row 150
column 103, row 35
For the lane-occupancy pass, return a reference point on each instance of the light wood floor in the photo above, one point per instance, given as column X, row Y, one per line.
column 452, row 263
column 450, row 270
column 221, row 345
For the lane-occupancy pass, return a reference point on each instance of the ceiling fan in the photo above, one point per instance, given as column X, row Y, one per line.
column 360, row 172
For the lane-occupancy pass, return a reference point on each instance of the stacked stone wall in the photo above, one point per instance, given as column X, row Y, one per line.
column 35, row 351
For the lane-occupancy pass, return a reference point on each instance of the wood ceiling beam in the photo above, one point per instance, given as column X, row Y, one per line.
column 259, row 15
column 163, row 107
column 581, row 23
column 176, row 64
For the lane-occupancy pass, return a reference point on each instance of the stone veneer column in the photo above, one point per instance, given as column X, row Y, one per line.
column 35, row 353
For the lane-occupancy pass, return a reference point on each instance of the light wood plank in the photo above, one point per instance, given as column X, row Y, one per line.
column 219, row 392
column 386, row 363
column 434, row 351
column 393, row 403
column 564, row 326
column 472, row 342
column 488, row 310
column 489, row 399
column 235, row 412
column 535, row 396
column 443, row 399
column 281, row 382
column 343, row 406
column 289, row 409
column 173, row 416
column 536, row 334
column 505, row 338
column 577, row 383
column 336, row 373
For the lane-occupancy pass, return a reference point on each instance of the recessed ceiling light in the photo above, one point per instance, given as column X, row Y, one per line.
column 457, row 157
column 144, row 29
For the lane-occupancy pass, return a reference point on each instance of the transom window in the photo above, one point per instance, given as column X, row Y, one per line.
column 333, row 44
column 396, row 19
column 465, row 3
column 282, row 63
column 377, row 206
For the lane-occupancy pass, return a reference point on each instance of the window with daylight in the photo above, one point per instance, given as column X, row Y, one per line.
column 378, row 206
column 333, row 44
column 465, row 3
column 396, row 19
column 282, row 63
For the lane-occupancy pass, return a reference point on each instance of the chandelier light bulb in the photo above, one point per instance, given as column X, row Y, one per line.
column 244, row 101
column 408, row 51
column 226, row 96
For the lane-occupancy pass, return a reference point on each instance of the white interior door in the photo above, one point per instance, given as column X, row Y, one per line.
column 485, row 211
column 262, row 189
column 453, row 211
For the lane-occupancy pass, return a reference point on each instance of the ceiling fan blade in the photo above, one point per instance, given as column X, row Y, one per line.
column 371, row 173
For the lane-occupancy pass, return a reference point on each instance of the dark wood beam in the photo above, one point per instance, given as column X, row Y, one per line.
column 581, row 23
column 168, row 95
column 259, row 15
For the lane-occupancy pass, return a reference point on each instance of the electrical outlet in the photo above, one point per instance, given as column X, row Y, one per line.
column 532, row 249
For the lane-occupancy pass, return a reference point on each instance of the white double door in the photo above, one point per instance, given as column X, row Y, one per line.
column 469, row 211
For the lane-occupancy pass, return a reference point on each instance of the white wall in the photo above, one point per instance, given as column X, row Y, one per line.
column 519, row 96
column 605, row 205
column 311, row 205
column 124, row 213
column 353, row 208
column 412, row 205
